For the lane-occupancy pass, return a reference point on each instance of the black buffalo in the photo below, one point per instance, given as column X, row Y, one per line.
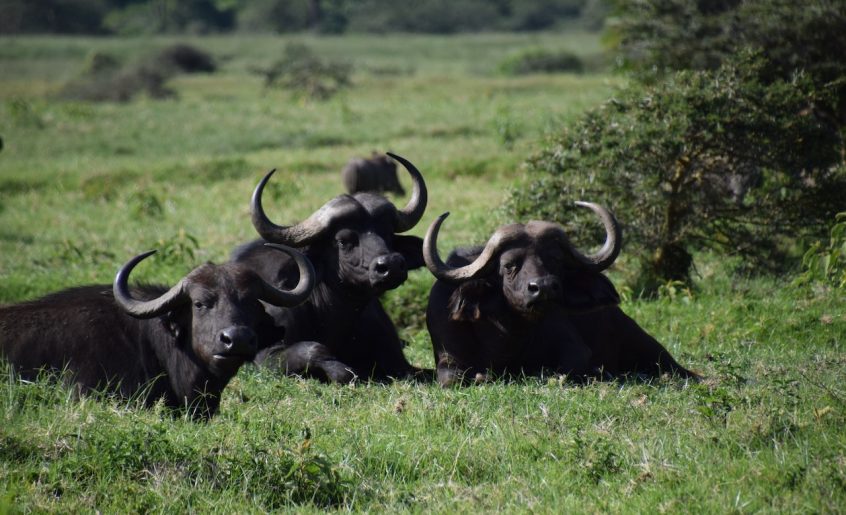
column 529, row 302
column 181, row 344
column 376, row 174
column 341, row 332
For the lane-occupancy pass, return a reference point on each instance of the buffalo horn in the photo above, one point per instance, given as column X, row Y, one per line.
column 613, row 240
column 145, row 308
column 295, row 235
column 408, row 216
column 277, row 297
column 443, row 271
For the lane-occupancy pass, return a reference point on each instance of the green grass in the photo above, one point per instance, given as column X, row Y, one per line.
column 83, row 187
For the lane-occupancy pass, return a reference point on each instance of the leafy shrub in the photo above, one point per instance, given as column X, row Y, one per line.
column 99, row 62
column 305, row 74
column 186, row 59
column 701, row 160
column 110, row 83
column 104, row 79
column 827, row 264
column 541, row 61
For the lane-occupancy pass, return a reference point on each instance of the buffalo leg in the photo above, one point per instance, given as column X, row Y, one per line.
column 309, row 359
column 641, row 353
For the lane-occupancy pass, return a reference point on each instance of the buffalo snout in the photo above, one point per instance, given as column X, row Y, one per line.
column 388, row 270
column 238, row 341
column 543, row 289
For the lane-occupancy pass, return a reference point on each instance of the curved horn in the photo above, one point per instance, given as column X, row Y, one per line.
column 408, row 216
column 296, row 235
column 613, row 240
column 300, row 293
column 144, row 308
column 444, row 272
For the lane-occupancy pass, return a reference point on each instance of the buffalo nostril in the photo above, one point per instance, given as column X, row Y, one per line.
column 534, row 288
column 381, row 268
column 238, row 338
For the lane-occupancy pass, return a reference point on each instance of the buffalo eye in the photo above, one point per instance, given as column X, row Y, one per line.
column 346, row 240
column 204, row 303
column 512, row 266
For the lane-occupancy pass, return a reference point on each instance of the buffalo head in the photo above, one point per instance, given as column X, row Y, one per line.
column 534, row 265
column 216, row 307
column 353, row 238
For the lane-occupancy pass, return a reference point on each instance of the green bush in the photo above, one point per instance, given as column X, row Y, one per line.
column 827, row 264
column 541, row 61
column 305, row 74
column 103, row 78
column 701, row 160
column 120, row 86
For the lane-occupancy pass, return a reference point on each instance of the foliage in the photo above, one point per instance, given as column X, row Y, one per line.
column 169, row 16
column 660, row 36
column 103, row 78
column 139, row 17
column 764, row 432
column 827, row 264
column 186, row 58
column 540, row 61
column 63, row 16
column 703, row 159
column 118, row 85
column 302, row 72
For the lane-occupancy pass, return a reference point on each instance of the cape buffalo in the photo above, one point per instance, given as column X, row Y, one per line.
column 341, row 332
column 181, row 344
column 375, row 174
column 529, row 302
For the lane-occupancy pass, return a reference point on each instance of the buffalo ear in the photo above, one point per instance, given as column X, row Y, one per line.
column 584, row 291
column 465, row 303
column 172, row 325
column 411, row 248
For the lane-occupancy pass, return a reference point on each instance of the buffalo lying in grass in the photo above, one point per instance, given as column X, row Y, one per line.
column 181, row 344
column 375, row 174
column 341, row 332
column 529, row 302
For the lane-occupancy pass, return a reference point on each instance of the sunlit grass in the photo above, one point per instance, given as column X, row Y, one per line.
column 83, row 187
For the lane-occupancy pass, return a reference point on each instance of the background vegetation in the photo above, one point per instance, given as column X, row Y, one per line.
column 731, row 137
column 281, row 16
column 84, row 185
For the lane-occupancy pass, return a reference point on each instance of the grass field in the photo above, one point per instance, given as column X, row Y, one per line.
column 85, row 186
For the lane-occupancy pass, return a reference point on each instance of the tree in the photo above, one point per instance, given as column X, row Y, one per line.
column 656, row 37
column 725, row 159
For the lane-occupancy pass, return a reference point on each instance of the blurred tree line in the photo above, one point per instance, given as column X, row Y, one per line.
column 129, row 17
